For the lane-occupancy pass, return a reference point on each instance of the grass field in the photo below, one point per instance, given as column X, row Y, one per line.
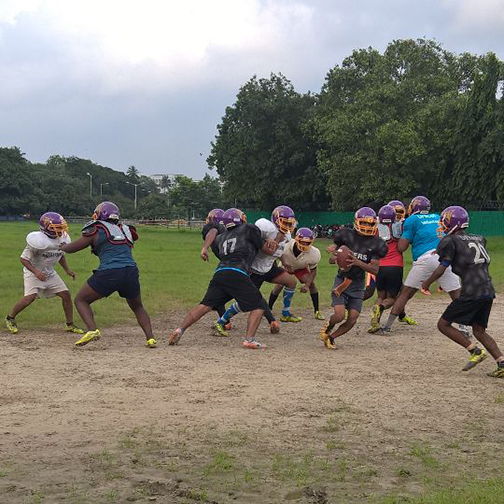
column 172, row 275
column 379, row 421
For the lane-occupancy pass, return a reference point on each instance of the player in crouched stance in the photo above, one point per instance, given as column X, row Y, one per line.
column 468, row 258
column 348, row 288
column 39, row 257
column 236, row 248
column 112, row 242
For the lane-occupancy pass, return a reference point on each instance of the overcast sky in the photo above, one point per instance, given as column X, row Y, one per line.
column 145, row 82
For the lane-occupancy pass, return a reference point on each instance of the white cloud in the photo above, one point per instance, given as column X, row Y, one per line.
column 480, row 14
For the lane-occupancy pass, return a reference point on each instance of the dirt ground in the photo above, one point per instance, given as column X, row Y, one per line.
column 209, row 421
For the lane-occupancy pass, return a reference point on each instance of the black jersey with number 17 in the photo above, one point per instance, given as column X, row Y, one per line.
column 238, row 246
column 469, row 259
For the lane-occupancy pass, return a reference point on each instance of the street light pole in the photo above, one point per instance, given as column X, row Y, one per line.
column 90, row 184
column 135, row 185
column 101, row 187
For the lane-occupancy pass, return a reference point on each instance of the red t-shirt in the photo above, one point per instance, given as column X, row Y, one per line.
column 393, row 258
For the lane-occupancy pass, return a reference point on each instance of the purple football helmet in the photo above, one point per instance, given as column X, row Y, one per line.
column 215, row 216
column 419, row 204
column 365, row 222
column 233, row 217
column 399, row 208
column 304, row 239
column 284, row 219
column 453, row 218
column 53, row 224
column 106, row 210
column 387, row 214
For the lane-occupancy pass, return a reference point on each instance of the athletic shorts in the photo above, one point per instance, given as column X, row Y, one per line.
column 389, row 279
column 422, row 269
column 301, row 273
column 258, row 279
column 351, row 297
column 469, row 311
column 123, row 280
column 228, row 284
column 52, row 286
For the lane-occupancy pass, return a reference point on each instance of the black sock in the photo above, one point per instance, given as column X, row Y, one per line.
column 69, row 323
column 272, row 299
column 402, row 315
column 475, row 350
column 10, row 318
column 329, row 328
column 382, row 309
column 314, row 298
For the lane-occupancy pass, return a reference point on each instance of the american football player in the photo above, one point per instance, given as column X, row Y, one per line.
column 236, row 248
column 348, row 288
column 112, row 242
column 420, row 231
column 39, row 257
column 468, row 257
column 300, row 258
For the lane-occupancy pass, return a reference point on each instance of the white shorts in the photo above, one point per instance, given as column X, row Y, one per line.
column 51, row 287
column 423, row 268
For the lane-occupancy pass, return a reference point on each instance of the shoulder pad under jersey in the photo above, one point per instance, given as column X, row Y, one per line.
column 89, row 228
column 397, row 230
column 384, row 232
column 39, row 241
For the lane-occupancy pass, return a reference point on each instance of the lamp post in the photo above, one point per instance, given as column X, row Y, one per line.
column 101, row 187
column 90, row 184
column 135, row 185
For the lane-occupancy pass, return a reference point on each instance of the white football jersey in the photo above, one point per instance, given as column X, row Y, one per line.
column 308, row 259
column 43, row 252
column 263, row 262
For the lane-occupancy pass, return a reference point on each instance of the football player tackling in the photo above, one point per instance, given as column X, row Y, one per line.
column 467, row 255
column 39, row 257
column 112, row 242
column 348, row 288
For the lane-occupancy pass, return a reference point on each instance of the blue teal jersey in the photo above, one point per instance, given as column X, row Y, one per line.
column 421, row 231
column 112, row 256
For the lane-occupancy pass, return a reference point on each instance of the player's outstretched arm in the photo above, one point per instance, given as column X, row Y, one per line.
column 209, row 239
column 79, row 244
column 64, row 265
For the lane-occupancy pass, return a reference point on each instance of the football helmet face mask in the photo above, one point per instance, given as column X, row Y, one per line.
column 233, row 217
column 366, row 222
column 304, row 239
column 453, row 218
column 106, row 210
column 215, row 216
column 284, row 219
column 53, row 224
column 387, row 214
column 419, row 204
column 399, row 208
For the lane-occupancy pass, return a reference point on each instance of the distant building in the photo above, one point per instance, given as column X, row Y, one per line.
column 157, row 177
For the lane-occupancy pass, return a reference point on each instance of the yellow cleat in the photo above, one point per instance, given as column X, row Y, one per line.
column 477, row 355
column 497, row 373
column 219, row 330
column 408, row 320
column 345, row 315
column 88, row 337
column 318, row 316
column 290, row 318
column 11, row 325
column 73, row 329
column 323, row 336
column 375, row 319
column 151, row 343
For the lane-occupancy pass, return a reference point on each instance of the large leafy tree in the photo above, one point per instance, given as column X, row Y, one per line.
column 264, row 152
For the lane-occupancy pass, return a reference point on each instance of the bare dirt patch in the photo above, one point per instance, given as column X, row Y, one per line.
column 209, row 421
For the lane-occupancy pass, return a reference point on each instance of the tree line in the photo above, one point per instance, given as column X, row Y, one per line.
column 74, row 186
column 415, row 119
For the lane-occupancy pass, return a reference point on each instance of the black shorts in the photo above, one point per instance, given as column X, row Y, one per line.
column 267, row 277
column 389, row 279
column 123, row 280
column 228, row 284
column 469, row 312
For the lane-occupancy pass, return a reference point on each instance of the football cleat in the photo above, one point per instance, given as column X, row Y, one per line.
column 328, row 341
column 274, row 327
column 151, row 343
column 220, row 330
column 384, row 331
column 88, row 337
column 375, row 319
column 73, row 329
column 318, row 316
column 408, row 320
column 11, row 325
column 477, row 355
column 290, row 318
column 345, row 315
column 498, row 372
column 175, row 336
column 253, row 344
